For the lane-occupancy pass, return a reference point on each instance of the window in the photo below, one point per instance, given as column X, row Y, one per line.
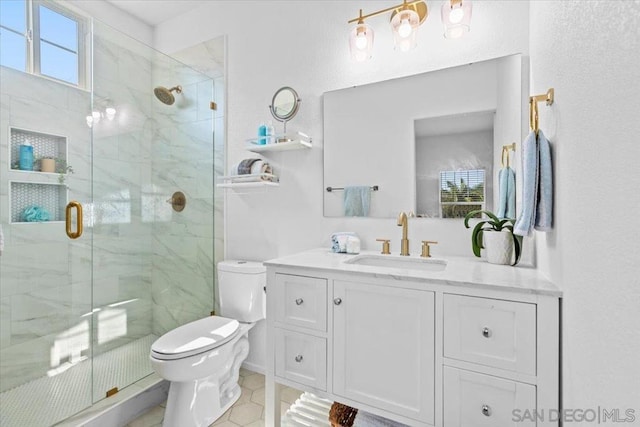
column 461, row 192
column 41, row 37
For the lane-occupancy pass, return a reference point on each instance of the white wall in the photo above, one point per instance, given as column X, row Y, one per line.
column 304, row 44
column 588, row 51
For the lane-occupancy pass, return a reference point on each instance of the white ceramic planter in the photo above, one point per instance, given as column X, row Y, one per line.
column 498, row 246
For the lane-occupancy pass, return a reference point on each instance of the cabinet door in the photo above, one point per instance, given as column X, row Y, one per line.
column 384, row 348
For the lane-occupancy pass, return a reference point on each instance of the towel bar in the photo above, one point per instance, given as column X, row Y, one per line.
column 330, row 189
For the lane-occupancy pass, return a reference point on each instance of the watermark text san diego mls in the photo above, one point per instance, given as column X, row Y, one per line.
column 596, row 415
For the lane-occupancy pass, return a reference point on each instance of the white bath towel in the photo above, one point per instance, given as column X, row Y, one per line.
column 258, row 167
column 526, row 220
column 544, row 208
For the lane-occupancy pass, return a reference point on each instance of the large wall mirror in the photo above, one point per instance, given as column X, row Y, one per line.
column 422, row 140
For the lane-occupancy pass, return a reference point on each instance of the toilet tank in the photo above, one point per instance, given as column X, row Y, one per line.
column 241, row 288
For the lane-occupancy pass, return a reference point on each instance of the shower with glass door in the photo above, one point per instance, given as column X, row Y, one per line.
column 97, row 259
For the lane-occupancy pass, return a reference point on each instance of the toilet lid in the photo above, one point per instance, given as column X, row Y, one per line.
column 194, row 338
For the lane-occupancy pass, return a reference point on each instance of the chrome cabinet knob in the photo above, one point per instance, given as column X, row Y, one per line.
column 337, row 301
column 299, row 358
column 299, row 301
column 486, row 332
column 486, row 410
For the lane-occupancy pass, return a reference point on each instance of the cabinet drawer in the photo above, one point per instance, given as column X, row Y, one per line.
column 496, row 333
column 301, row 358
column 301, row 301
column 477, row 400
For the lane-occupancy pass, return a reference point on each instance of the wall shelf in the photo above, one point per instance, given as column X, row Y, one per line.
column 44, row 145
column 290, row 141
column 249, row 181
column 50, row 197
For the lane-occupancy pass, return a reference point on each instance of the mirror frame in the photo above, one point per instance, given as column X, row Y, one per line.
column 294, row 110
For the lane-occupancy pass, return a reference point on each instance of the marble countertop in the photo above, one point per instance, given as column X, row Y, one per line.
column 459, row 271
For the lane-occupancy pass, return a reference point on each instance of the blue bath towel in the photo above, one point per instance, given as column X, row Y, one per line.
column 357, row 200
column 544, row 209
column 507, row 202
column 526, row 220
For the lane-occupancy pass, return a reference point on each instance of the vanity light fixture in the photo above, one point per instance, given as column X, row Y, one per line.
column 405, row 20
column 456, row 16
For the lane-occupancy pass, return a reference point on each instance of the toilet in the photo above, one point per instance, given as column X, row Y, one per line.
column 202, row 359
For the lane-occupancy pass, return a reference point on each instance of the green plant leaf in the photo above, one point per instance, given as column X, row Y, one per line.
column 476, row 238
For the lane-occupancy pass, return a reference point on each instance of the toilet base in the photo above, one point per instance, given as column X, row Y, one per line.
column 200, row 402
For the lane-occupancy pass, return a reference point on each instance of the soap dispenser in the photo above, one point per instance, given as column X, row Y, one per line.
column 26, row 156
column 262, row 132
column 270, row 133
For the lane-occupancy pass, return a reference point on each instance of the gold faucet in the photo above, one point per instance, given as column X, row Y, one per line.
column 404, row 243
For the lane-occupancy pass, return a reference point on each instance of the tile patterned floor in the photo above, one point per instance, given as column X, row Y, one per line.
column 247, row 411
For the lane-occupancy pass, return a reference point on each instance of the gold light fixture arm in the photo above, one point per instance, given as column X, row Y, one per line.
column 533, row 107
column 401, row 6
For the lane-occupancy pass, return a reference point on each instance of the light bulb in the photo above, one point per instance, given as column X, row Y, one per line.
column 404, row 30
column 456, row 15
column 96, row 116
column 89, row 121
column 110, row 112
column 361, row 41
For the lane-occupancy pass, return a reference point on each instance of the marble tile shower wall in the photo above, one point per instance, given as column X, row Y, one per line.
column 183, row 157
column 42, row 272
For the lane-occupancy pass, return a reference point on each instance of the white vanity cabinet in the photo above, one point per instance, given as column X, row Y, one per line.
column 419, row 348
column 383, row 347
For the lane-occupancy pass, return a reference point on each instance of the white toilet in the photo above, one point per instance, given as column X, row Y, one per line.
column 202, row 359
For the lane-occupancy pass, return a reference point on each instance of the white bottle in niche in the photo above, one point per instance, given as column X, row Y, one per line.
column 270, row 133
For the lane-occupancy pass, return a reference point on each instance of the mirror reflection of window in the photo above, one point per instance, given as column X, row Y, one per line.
column 461, row 192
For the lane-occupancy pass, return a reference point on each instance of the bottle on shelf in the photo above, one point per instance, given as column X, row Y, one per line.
column 270, row 133
column 262, row 132
column 26, row 156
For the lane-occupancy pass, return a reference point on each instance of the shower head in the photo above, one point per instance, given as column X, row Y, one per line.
column 165, row 96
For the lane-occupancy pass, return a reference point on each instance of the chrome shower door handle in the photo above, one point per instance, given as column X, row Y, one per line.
column 71, row 205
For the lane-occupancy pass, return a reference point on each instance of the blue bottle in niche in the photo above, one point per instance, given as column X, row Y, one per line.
column 26, row 156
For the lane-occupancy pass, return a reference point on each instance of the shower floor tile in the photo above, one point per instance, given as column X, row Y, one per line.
column 48, row 400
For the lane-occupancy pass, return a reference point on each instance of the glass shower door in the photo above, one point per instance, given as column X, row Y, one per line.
column 45, row 276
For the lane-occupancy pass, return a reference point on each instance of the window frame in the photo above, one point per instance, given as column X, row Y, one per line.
column 32, row 36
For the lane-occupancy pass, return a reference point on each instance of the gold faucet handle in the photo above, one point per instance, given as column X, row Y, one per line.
column 386, row 247
column 426, row 248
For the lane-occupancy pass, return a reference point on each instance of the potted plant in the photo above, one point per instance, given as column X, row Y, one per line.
column 496, row 236
column 62, row 168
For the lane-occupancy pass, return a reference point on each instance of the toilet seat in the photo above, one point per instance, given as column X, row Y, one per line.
column 194, row 338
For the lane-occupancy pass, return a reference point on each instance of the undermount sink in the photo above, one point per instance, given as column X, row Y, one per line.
column 405, row 262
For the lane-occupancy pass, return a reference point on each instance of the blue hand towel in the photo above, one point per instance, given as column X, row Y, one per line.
column 357, row 200
column 544, row 209
column 507, row 202
column 526, row 220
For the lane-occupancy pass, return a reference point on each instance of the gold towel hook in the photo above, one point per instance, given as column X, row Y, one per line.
column 506, row 149
column 533, row 107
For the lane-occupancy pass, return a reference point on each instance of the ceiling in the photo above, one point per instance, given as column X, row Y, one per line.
column 459, row 123
column 154, row 12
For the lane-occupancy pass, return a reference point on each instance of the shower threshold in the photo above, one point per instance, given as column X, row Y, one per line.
column 51, row 399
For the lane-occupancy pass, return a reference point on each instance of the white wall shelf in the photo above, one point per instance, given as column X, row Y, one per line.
column 249, row 181
column 288, row 141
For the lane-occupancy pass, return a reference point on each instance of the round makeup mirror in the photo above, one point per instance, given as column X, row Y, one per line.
column 285, row 104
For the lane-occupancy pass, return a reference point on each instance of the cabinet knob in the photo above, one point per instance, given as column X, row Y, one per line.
column 299, row 301
column 486, row 410
column 486, row 332
column 337, row 301
column 299, row 358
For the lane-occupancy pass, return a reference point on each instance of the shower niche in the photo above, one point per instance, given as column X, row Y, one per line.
column 38, row 194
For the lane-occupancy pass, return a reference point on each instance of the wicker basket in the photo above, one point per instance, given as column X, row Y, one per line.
column 342, row 415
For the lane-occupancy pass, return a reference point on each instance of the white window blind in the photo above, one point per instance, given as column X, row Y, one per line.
column 461, row 192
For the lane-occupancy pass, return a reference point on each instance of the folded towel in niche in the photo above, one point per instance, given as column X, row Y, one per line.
column 357, row 200
column 252, row 168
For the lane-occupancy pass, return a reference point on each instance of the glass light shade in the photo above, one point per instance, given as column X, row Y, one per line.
column 456, row 17
column 89, row 121
column 96, row 116
column 361, row 42
column 405, row 28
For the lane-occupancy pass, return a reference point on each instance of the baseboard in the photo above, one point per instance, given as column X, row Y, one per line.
column 253, row 367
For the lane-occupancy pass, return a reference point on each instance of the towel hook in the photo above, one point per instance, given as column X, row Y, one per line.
column 533, row 107
column 506, row 149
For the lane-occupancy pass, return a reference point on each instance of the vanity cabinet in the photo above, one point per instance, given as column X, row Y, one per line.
column 420, row 351
column 383, row 347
